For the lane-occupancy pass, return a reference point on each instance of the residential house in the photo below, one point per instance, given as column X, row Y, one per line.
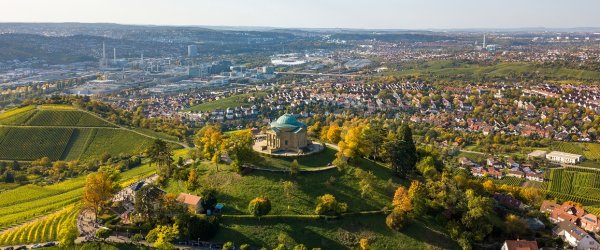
column 520, row 245
column 575, row 236
column 193, row 202
column 516, row 172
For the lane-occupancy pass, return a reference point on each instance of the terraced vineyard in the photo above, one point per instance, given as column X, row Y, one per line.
column 509, row 180
column 17, row 116
column 114, row 142
column 590, row 151
column 61, row 132
column 29, row 143
column 74, row 118
column 42, row 230
column 577, row 185
column 24, row 203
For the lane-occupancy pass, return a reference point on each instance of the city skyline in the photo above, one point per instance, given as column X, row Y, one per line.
column 381, row 14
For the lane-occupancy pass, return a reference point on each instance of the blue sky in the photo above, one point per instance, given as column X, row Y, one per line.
column 401, row 14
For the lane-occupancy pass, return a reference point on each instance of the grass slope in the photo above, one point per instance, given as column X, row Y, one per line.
column 463, row 71
column 227, row 102
column 335, row 234
column 320, row 159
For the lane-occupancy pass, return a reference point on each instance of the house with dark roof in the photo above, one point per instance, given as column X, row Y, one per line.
column 575, row 236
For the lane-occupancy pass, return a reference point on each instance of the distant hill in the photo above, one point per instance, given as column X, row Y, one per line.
column 62, row 132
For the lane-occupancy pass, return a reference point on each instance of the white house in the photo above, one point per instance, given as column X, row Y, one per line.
column 575, row 236
column 563, row 157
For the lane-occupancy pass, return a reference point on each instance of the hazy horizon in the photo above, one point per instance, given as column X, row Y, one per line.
column 312, row 14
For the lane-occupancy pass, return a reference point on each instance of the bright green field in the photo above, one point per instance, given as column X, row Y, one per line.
column 227, row 102
column 449, row 70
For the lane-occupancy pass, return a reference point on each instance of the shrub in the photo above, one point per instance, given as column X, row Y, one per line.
column 259, row 206
column 327, row 204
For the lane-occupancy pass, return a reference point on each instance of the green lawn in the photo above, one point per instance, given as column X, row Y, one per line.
column 235, row 191
column 341, row 233
column 320, row 159
column 227, row 102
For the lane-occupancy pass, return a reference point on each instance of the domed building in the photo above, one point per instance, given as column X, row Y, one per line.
column 286, row 134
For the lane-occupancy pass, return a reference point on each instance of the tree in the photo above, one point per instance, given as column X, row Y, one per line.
column 208, row 141
column 300, row 247
column 350, row 146
column 314, row 130
column 67, row 234
column 427, row 167
column 259, row 206
column 160, row 154
column 328, row 205
column 514, row 226
column 209, row 198
column 401, row 157
column 238, row 146
column 137, row 238
column 228, row 246
column 531, row 195
column 289, row 187
column 371, row 139
column 418, row 197
column 192, row 181
column 364, row 244
column 294, row 168
column 98, row 189
column 197, row 227
column 148, row 202
column 244, row 247
column 474, row 220
column 400, row 151
column 103, row 233
column 333, row 134
column 162, row 236
column 402, row 200
column 397, row 219
column 366, row 182
column 489, row 186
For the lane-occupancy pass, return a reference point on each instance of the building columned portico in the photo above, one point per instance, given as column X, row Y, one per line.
column 286, row 134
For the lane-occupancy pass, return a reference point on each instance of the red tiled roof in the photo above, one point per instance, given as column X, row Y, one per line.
column 521, row 245
column 188, row 199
